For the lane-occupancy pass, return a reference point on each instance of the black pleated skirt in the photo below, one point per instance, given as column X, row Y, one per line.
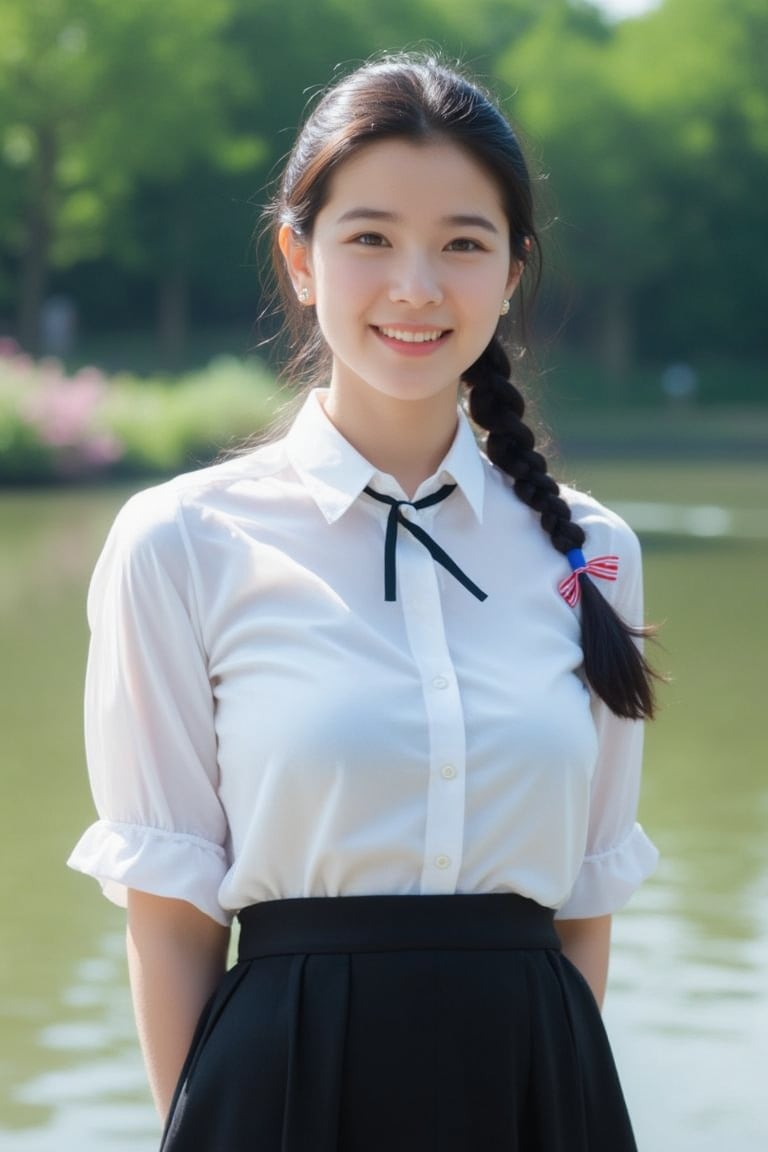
column 400, row 1024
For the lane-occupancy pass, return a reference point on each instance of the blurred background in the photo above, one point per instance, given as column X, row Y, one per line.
column 136, row 142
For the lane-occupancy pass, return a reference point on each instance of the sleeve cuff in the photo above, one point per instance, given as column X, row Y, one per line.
column 173, row 864
column 605, row 882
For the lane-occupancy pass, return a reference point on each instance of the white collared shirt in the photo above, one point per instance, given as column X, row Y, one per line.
column 261, row 723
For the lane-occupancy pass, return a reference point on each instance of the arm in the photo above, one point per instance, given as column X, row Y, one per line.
column 176, row 957
column 587, row 944
column 618, row 855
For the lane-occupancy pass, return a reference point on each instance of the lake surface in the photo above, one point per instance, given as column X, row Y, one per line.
column 687, row 1007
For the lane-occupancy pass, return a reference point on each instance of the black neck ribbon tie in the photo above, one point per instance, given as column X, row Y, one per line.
column 396, row 518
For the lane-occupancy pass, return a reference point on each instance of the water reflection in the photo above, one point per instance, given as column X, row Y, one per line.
column 693, row 1044
column 705, row 520
column 688, row 1002
column 90, row 1092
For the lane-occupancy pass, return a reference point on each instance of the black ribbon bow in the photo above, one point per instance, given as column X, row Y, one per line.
column 396, row 518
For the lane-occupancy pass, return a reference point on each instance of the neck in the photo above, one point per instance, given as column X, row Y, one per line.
column 405, row 438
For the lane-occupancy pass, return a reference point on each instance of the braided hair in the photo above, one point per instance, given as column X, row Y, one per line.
column 613, row 664
column 415, row 97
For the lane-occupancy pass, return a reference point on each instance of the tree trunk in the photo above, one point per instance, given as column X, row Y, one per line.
column 39, row 232
column 614, row 334
column 173, row 292
column 173, row 289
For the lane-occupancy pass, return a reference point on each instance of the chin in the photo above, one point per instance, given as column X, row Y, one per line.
column 417, row 394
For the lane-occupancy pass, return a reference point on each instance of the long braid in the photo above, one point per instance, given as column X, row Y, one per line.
column 614, row 665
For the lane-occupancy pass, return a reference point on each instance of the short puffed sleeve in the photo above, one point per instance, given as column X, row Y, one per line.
column 149, row 724
column 619, row 855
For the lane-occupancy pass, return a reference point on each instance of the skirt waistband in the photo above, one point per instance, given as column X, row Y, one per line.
column 328, row 924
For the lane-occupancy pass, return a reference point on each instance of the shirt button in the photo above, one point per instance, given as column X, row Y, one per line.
column 448, row 772
column 439, row 682
column 442, row 861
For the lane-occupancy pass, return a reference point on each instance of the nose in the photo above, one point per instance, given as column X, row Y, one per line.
column 415, row 281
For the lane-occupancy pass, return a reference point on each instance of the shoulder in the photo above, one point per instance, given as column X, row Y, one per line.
column 607, row 534
column 155, row 517
column 604, row 528
column 153, row 534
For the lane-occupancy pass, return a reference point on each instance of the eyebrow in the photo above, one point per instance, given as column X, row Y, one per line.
column 461, row 220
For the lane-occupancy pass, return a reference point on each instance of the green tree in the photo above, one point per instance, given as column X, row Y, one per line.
column 653, row 133
column 695, row 72
column 96, row 96
column 596, row 154
column 137, row 140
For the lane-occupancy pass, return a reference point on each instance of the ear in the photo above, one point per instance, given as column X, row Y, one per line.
column 516, row 268
column 297, row 256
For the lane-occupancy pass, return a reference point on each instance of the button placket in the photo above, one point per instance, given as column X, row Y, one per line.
column 445, row 800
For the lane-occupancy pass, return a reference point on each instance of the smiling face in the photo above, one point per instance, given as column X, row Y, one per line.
column 407, row 266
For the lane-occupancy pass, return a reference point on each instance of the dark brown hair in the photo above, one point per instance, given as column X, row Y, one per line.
column 418, row 99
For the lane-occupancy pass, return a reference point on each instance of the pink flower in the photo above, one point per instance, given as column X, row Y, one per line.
column 102, row 450
column 65, row 413
column 63, row 410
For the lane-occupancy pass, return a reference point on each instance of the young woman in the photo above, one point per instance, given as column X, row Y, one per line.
column 377, row 693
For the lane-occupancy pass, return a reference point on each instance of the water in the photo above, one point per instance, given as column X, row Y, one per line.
column 687, row 1007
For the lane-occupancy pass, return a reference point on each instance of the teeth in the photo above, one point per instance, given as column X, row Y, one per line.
column 412, row 337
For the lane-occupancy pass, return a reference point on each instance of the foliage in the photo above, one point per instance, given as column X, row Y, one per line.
column 96, row 100
column 709, row 109
column 59, row 427
column 137, row 140
column 168, row 426
column 656, row 138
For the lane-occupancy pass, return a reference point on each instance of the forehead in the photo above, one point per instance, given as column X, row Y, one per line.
column 437, row 177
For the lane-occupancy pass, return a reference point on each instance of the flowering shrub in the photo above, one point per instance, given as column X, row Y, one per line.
column 54, row 426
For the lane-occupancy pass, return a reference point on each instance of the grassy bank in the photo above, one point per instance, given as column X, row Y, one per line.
column 60, row 422
column 56, row 426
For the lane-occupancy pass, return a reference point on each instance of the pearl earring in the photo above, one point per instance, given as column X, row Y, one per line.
column 504, row 308
column 304, row 295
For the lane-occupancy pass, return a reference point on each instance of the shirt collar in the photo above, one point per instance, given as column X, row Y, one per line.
column 334, row 473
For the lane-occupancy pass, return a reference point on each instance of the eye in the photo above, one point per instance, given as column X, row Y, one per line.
column 370, row 240
column 465, row 244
